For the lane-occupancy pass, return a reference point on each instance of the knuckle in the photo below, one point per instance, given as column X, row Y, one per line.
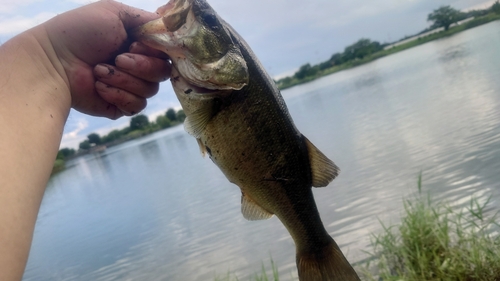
column 133, row 104
column 150, row 90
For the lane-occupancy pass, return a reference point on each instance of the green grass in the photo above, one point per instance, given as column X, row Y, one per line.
column 437, row 242
column 59, row 165
column 434, row 241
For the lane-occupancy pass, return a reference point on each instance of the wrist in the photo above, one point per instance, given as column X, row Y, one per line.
column 31, row 66
column 45, row 53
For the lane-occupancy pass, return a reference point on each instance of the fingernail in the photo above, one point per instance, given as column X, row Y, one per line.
column 132, row 46
column 102, row 70
column 135, row 47
column 126, row 113
column 125, row 61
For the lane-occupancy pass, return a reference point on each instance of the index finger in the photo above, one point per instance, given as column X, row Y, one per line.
column 147, row 68
column 139, row 48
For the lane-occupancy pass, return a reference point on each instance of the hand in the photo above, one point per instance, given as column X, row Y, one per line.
column 89, row 44
column 83, row 59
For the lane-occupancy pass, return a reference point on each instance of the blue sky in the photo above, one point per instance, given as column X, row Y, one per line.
column 284, row 34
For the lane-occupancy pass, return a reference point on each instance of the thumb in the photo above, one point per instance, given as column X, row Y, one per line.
column 131, row 17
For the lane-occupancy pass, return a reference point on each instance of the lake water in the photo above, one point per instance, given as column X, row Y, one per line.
column 154, row 209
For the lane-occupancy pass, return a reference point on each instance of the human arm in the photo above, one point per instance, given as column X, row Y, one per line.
column 43, row 73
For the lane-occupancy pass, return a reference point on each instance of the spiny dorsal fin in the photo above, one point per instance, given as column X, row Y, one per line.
column 323, row 170
column 251, row 211
column 196, row 122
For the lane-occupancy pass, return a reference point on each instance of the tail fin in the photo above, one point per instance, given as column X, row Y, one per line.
column 325, row 264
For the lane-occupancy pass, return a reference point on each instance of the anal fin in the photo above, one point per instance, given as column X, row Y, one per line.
column 323, row 170
column 251, row 211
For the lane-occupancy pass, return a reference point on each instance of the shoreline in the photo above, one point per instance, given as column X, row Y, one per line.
column 293, row 81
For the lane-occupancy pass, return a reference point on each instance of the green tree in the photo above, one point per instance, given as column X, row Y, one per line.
column 139, row 122
column 171, row 114
column 163, row 121
column 336, row 59
column 325, row 65
column 444, row 17
column 361, row 49
column 474, row 14
column 94, row 139
column 495, row 8
column 181, row 115
column 65, row 152
column 306, row 70
column 283, row 82
column 84, row 145
column 111, row 136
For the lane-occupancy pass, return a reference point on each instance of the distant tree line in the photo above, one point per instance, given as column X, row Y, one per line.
column 139, row 126
column 444, row 17
column 356, row 51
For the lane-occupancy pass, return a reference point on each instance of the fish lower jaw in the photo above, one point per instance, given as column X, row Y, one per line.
column 212, row 76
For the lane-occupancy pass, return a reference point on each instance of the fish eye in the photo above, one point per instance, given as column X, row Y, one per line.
column 210, row 20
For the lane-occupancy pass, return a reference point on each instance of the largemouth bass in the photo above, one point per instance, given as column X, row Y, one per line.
column 239, row 118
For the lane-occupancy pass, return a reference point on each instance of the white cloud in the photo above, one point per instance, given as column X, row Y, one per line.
column 81, row 125
column 83, row 2
column 481, row 6
column 117, row 125
column 12, row 6
column 72, row 138
column 285, row 74
column 17, row 24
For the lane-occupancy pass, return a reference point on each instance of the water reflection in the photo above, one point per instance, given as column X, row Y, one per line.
column 150, row 150
column 154, row 209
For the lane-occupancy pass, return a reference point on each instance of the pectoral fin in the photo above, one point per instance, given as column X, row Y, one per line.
column 196, row 122
column 323, row 170
column 251, row 211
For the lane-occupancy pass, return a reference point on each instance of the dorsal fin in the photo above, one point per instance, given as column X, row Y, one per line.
column 323, row 170
column 251, row 211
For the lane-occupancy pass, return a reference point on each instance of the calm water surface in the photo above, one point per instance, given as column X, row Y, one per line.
column 153, row 209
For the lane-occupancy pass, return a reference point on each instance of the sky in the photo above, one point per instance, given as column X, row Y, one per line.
column 284, row 34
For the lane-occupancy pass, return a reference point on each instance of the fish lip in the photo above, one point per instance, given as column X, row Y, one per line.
column 167, row 13
column 165, row 8
column 174, row 13
column 172, row 4
column 149, row 28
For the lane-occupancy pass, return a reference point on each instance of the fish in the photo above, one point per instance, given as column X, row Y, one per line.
column 239, row 119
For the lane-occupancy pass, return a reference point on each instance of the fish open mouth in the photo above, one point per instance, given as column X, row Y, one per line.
column 199, row 44
column 174, row 13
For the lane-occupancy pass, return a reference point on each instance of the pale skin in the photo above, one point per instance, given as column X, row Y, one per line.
column 81, row 59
